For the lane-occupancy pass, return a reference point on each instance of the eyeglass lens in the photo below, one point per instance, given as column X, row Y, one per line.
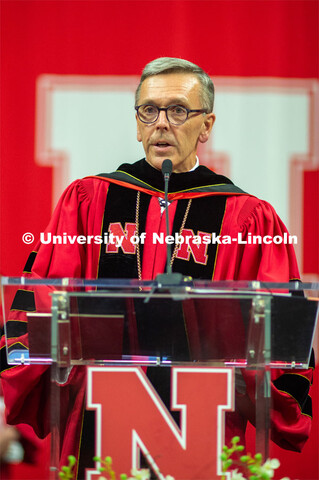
column 175, row 113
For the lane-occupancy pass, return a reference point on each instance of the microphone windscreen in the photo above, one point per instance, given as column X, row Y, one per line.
column 167, row 167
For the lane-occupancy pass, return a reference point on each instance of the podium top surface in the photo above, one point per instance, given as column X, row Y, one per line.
column 162, row 281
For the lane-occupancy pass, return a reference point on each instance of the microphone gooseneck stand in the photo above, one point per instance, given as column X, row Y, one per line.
column 169, row 278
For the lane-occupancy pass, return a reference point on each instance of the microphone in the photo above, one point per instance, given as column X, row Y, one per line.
column 167, row 168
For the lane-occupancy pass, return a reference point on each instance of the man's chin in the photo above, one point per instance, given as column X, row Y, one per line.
column 157, row 162
column 178, row 167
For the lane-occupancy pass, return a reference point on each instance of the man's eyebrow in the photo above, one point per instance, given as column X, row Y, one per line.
column 173, row 101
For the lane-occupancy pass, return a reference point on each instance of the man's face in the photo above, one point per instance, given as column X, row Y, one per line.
column 163, row 140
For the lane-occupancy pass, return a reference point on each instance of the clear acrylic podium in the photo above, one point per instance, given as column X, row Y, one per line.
column 235, row 325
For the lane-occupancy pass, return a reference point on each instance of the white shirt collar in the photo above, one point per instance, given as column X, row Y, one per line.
column 196, row 164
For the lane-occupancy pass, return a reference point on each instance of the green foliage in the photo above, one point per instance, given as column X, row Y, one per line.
column 241, row 467
column 68, row 472
column 106, row 470
column 248, row 467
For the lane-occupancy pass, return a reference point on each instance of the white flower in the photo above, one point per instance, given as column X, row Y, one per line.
column 269, row 466
column 143, row 474
column 235, row 475
column 169, row 477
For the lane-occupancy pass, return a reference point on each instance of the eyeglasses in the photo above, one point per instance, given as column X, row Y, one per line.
column 175, row 114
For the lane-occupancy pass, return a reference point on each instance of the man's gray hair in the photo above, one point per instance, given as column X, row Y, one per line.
column 165, row 65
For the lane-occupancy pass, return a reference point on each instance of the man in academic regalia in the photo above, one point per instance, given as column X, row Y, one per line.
column 174, row 111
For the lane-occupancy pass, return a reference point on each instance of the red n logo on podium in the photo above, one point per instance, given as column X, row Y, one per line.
column 130, row 417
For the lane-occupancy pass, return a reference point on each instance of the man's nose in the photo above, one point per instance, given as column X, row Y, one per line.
column 162, row 121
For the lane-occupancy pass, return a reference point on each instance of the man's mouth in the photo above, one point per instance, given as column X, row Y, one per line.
column 162, row 144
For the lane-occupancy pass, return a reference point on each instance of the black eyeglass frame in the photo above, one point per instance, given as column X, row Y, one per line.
column 159, row 109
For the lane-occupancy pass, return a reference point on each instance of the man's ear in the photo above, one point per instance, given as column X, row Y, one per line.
column 207, row 127
column 138, row 135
